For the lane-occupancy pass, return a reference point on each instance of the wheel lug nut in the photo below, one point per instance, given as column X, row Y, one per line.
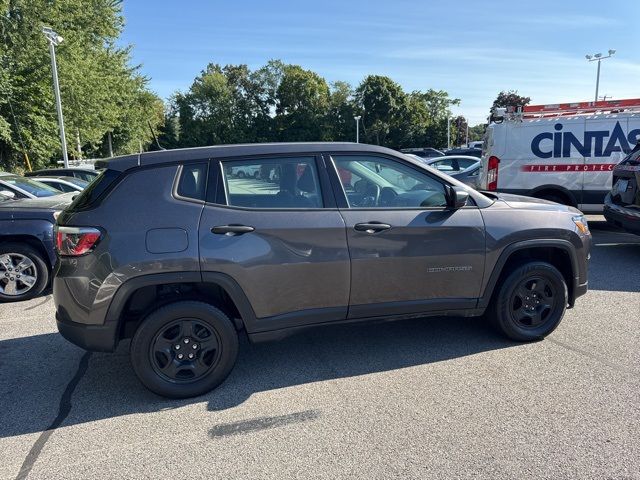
column 194, row 346
column 177, row 346
column 186, row 340
column 180, row 356
column 191, row 355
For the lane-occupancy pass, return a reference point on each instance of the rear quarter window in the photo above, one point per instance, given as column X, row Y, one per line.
column 89, row 197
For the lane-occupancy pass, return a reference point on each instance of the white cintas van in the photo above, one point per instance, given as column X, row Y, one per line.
column 563, row 152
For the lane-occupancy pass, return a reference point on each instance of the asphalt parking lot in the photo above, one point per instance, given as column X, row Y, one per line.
column 434, row 398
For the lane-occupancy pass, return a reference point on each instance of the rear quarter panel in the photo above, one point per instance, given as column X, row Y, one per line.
column 142, row 202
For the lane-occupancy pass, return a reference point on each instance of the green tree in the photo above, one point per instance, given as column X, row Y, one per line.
column 426, row 117
column 302, row 100
column 510, row 98
column 477, row 132
column 98, row 86
column 340, row 121
column 206, row 111
column 382, row 103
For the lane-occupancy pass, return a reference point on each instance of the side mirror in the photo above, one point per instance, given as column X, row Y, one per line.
column 8, row 194
column 457, row 197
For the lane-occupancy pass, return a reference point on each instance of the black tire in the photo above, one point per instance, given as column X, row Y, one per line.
column 153, row 349
column 531, row 316
column 39, row 268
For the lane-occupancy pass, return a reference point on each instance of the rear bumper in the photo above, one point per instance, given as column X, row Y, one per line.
column 626, row 218
column 96, row 338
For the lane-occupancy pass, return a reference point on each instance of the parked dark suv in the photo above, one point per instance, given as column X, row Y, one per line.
column 174, row 251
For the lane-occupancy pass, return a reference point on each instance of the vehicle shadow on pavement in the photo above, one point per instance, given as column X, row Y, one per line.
column 614, row 256
column 36, row 370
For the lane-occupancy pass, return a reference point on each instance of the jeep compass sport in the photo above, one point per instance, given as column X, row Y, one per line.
column 177, row 252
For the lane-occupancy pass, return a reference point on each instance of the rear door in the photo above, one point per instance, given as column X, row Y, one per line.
column 410, row 253
column 278, row 234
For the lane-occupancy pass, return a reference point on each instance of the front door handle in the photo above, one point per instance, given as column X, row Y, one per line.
column 231, row 229
column 371, row 227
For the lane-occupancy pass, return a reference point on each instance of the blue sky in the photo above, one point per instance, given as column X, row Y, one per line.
column 472, row 49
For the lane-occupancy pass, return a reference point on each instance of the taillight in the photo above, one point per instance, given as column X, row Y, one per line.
column 75, row 241
column 492, row 173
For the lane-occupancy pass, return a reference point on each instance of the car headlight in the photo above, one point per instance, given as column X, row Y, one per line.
column 581, row 223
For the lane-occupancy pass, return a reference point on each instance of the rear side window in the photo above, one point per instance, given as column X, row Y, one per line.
column 94, row 190
column 193, row 181
column 290, row 182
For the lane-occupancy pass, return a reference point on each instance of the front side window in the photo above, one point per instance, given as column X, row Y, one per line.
column 290, row 182
column 377, row 182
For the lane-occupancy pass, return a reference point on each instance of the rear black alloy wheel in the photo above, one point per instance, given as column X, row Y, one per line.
column 184, row 349
column 531, row 302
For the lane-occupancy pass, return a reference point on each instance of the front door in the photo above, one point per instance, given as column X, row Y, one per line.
column 270, row 230
column 410, row 253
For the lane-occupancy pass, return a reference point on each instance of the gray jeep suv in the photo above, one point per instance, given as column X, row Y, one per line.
column 174, row 251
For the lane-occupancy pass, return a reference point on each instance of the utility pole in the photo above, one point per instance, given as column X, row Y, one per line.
column 78, row 145
column 54, row 40
column 448, row 133
column 598, row 57
column 110, row 143
column 357, row 119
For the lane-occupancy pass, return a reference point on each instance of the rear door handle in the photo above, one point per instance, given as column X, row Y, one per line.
column 372, row 227
column 231, row 229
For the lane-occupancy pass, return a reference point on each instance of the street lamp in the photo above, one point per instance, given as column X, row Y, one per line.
column 357, row 119
column 598, row 57
column 54, row 40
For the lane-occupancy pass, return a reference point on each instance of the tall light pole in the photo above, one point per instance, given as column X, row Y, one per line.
column 357, row 119
column 599, row 57
column 54, row 40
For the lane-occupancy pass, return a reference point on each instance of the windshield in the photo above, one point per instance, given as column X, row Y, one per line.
column 634, row 157
column 28, row 185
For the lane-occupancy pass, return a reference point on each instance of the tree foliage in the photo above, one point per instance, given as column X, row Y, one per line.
column 101, row 93
column 510, row 98
column 280, row 102
column 477, row 132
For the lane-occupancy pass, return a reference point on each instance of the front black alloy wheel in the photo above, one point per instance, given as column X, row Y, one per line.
column 531, row 302
column 184, row 349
